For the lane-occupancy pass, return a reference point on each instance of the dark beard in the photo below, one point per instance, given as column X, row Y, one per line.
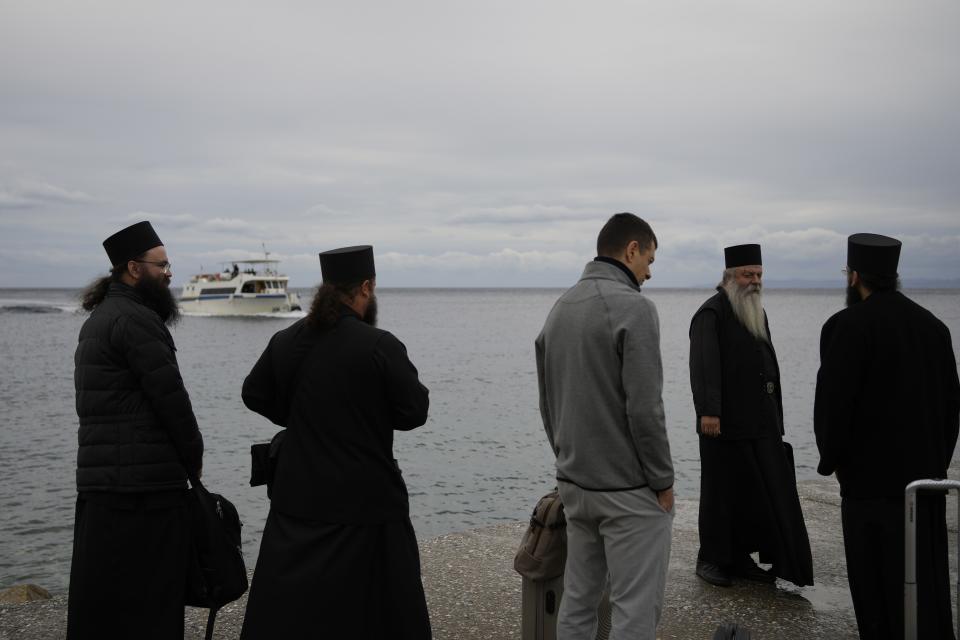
column 853, row 296
column 370, row 315
column 156, row 295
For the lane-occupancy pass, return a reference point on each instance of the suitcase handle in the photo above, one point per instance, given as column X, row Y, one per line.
column 910, row 561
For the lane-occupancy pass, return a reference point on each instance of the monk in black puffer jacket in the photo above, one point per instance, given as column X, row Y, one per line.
column 138, row 444
column 137, row 428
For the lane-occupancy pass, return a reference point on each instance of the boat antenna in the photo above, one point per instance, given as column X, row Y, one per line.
column 266, row 254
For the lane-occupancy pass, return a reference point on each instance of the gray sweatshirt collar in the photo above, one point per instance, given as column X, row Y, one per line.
column 605, row 271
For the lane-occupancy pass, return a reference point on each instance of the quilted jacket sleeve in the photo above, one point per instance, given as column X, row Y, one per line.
column 151, row 356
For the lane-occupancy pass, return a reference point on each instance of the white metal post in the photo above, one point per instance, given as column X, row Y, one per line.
column 910, row 558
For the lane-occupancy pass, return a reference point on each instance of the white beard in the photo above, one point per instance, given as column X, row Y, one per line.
column 748, row 307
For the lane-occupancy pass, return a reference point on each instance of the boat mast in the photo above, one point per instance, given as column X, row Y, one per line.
column 266, row 256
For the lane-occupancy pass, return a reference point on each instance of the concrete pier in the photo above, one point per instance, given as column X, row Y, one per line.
column 474, row 594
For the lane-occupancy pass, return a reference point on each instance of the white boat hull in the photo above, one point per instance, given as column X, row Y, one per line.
column 241, row 304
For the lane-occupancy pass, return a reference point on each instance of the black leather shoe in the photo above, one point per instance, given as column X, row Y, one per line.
column 749, row 570
column 714, row 574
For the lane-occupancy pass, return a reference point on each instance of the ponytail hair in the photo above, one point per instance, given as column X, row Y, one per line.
column 325, row 308
column 96, row 291
column 875, row 283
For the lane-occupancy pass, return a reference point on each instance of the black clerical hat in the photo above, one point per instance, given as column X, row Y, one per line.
column 131, row 242
column 347, row 265
column 873, row 254
column 742, row 255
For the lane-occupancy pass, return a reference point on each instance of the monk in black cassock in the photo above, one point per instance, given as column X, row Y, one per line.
column 888, row 412
column 748, row 490
column 139, row 442
column 338, row 558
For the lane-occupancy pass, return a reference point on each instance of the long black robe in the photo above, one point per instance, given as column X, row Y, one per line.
column 321, row 580
column 338, row 557
column 887, row 412
column 131, row 556
column 748, row 491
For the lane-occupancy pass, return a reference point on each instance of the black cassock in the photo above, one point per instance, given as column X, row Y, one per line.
column 887, row 412
column 748, row 491
column 131, row 557
column 339, row 557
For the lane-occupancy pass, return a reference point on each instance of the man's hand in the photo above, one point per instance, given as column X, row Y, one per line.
column 710, row 425
column 665, row 498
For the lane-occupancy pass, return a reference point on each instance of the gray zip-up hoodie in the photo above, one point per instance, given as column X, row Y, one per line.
column 601, row 378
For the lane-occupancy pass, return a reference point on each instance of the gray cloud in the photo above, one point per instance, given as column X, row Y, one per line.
column 493, row 136
column 25, row 194
column 518, row 214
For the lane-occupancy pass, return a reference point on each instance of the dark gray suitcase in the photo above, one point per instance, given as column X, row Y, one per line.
column 540, row 603
column 731, row 632
column 910, row 559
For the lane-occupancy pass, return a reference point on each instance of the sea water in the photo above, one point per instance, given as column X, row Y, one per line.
column 480, row 459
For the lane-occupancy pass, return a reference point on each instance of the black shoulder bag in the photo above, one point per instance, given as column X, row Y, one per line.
column 219, row 575
column 264, row 456
column 263, row 461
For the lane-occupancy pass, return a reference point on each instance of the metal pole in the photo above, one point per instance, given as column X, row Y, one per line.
column 910, row 565
column 910, row 559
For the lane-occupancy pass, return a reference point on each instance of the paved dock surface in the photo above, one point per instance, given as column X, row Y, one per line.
column 474, row 594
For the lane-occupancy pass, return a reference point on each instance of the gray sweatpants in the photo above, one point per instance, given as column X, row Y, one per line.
column 624, row 535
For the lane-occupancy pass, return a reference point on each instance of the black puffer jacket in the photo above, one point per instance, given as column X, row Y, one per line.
column 137, row 428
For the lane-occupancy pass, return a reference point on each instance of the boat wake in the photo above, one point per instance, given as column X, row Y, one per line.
column 31, row 307
column 280, row 315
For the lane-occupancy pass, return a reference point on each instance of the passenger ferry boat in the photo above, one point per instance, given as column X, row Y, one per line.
column 244, row 287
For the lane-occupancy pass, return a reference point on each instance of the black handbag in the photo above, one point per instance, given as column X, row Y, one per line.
column 219, row 574
column 263, row 461
column 264, row 456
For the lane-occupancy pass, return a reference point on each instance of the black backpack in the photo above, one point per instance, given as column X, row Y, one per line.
column 219, row 575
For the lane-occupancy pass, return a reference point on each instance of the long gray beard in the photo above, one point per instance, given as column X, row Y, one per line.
column 748, row 307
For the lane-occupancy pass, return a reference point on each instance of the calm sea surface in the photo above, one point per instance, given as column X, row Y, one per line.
column 481, row 458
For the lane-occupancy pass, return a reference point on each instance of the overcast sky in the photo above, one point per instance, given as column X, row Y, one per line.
column 478, row 143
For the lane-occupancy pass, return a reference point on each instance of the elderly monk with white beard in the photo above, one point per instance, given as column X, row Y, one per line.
column 748, row 490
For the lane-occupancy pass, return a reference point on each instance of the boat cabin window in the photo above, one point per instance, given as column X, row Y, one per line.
column 255, row 286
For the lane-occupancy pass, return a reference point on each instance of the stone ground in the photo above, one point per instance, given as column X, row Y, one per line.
column 474, row 594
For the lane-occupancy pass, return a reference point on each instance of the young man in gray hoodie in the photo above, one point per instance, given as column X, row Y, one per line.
column 601, row 377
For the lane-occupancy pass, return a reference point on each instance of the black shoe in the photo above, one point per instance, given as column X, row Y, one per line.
column 749, row 570
column 714, row 574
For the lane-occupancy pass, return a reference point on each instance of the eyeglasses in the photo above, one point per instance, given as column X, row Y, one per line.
column 164, row 266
